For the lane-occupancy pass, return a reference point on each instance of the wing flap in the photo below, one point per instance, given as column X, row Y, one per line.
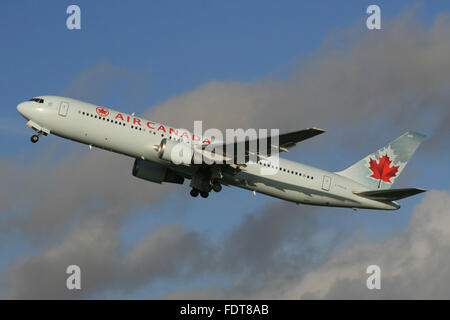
column 389, row 194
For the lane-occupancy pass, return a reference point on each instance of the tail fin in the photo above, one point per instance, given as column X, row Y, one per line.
column 380, row 169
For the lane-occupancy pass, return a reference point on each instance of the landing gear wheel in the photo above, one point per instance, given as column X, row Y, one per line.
column 194, row 193
column 204, row 194
column 34, row 138
column 217, row 187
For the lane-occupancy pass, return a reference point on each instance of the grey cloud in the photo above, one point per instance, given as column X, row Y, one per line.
column 413, row 264
column 253, row 252
column 92, row 195
column 100, row 182
column 168, row 251
column 93, row 245
column 97, row 183
column 390, row 79
column 255, row 241
column 268, row 249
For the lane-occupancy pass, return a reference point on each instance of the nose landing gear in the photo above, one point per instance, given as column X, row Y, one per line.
column 39, row 131
column 34, row 138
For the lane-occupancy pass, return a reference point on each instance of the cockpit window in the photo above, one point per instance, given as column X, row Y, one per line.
column 38, row 100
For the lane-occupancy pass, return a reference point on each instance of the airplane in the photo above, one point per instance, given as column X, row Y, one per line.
column 364, row 185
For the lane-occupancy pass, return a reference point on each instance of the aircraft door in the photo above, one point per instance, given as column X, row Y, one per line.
column 326, row 183
column 63, row 109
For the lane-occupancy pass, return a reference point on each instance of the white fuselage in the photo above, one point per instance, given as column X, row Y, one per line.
column 136, row 137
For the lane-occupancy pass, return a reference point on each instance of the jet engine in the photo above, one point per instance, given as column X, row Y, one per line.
column 175, row 152
column 155, row 172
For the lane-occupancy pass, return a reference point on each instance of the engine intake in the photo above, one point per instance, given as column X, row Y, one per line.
column 175, row 152
column 154, row 172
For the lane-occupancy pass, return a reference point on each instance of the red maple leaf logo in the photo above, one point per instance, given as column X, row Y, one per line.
column 382, row 170
column 102, row 111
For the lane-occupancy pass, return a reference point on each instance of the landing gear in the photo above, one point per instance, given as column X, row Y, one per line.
column 217, row 187
column 194, row 193
column 204, row 194
column 204, row 180
column 34, row 138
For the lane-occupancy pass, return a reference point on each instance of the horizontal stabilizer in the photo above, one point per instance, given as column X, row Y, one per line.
column 389, row 194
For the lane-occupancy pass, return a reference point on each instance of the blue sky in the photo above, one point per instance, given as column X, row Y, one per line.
column 168, row 48
column 181, row 45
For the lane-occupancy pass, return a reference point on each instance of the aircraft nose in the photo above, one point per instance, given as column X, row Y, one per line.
column 25, row 109
column 21, row 108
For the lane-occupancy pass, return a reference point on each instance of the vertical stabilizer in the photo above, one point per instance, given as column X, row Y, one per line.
column 379, row 170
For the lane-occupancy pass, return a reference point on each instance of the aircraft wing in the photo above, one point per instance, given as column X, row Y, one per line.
column 290, row 139
column 389, row 194
column 285, row 142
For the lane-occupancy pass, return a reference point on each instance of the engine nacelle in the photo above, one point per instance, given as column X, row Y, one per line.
column 154, row 172
column 175, row 152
